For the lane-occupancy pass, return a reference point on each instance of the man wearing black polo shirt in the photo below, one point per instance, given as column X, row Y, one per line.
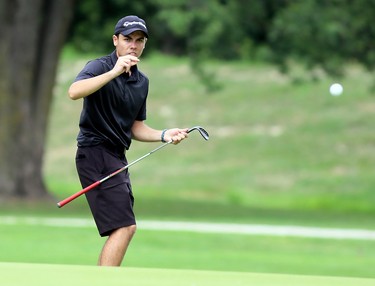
column 114, row 96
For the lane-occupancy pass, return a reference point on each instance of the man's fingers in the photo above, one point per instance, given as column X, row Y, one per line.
column 181, row 135
column 126, row 62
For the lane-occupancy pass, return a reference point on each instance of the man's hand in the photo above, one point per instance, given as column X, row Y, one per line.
column 176, row 135
column 124, row 64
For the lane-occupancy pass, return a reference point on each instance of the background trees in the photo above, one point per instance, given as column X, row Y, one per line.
column 325, row 34
column 320, row 34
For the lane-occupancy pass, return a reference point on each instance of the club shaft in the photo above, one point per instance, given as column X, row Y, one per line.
column 97, row 183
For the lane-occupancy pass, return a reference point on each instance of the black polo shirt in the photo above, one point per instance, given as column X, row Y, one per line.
column 109, row 113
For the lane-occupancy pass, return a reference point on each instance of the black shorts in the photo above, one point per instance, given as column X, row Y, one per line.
column 111, row 202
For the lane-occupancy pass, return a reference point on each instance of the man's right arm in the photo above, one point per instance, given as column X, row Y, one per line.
column 85, row 87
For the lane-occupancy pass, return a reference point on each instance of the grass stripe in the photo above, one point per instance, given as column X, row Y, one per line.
column 204, row 227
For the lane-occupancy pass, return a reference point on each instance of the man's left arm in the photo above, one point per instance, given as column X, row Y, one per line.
column 144, row 133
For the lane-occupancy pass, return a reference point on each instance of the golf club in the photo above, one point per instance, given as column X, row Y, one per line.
column 62, row 203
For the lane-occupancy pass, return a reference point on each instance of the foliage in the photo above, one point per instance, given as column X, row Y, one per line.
column 203, row 25
column 94, row 22
column 321, row 34
column 214, row 28
column 325, row 34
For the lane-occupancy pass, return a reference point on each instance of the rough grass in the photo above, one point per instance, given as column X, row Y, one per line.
column 274, row 145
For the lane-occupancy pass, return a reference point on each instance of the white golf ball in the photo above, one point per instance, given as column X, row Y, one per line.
column 336, row 89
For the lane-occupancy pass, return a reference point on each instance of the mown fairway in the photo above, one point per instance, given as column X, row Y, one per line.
column 74, row 244
column 45, row 275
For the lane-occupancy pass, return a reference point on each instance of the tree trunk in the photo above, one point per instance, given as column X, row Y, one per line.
column 32, row 34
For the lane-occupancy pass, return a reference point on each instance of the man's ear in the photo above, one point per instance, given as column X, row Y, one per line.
column 144, row 43
column 115, row 40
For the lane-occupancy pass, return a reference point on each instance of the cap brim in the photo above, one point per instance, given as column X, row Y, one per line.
column 128, row 32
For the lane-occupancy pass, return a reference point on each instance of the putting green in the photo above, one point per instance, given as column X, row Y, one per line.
column 19, row 274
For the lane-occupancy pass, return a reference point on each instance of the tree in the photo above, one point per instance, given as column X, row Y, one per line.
column 325, row 35
column 32, row 35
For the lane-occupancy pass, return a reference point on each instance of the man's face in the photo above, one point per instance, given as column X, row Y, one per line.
column 132, row 44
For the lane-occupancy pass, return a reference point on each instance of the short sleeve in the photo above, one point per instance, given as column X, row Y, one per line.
column 91, row 69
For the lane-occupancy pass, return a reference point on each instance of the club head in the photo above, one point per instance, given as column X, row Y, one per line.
column 201, row 130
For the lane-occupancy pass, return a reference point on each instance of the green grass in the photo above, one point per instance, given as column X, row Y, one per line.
column 39, row 274
column 188, row 250
column 279, row 153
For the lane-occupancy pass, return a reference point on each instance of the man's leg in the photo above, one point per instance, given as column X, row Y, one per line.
column 116, row 245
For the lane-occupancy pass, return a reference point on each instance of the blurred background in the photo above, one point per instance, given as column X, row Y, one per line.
column 255, row 74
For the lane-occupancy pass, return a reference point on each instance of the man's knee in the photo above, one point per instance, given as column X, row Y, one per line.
column 132, row 229
column 125, row 231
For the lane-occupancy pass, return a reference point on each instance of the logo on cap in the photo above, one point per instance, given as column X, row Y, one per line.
column 134, row 23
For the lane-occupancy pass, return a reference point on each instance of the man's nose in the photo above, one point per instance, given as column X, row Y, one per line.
column 133, row 44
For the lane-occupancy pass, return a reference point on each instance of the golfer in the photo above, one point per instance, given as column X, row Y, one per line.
column 114, row 93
